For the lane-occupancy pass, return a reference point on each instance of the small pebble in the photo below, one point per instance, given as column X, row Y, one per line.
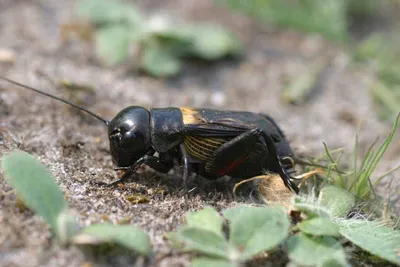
column 7, row 55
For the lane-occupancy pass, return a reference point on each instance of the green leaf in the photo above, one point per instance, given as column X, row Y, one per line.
column 310, row 208
column 373, row 237
column 112, row 44
column 311, row 251
column 211, row 42
column 319, row 226
column 35, row 185
column 209, row 262
column 159, row 62
column 338, row 201
column 175, row 240
column 256, row 229
column 207, row 219
column 124, row 235
column 163, row 29
column 108, row 11
column 175, row 40
column 207, row 242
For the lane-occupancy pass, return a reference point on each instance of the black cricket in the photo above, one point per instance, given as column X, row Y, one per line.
column 211, row 143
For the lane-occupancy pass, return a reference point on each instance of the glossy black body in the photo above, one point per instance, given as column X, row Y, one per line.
column 209, row 142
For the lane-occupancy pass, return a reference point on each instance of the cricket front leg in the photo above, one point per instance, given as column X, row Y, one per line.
column 152, row 161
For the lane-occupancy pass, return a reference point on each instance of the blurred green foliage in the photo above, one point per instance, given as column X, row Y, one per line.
column 328, row 18
column 382, row 54
column 332, row 19
column 325, row 17
column 160, row 44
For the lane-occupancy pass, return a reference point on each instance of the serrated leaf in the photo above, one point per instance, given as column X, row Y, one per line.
column 374, row 237
column 209, row 262
column 35, row 185
column 159, row 62
column 310, row 208
column 112, row 44
column 207, row 219
column 319, row 226
column 338, row 201
column 211, row 42
column 256, row 229
column 109, row 12
column 124, row 235
column 311, row 251
column 207, row 242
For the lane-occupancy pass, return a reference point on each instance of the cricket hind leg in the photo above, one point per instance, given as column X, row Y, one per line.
column 276, row 164
column 228, row 158
column 232, row 156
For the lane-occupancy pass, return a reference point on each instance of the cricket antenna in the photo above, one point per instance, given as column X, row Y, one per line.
column 106, row 122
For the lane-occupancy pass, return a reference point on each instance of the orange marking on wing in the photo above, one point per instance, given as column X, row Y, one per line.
column 190, row 116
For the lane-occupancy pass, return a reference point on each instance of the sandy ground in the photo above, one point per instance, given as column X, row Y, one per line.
column 75, row 147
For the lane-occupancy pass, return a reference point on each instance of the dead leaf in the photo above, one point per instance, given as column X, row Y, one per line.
column 137, row 199
column 273, row 190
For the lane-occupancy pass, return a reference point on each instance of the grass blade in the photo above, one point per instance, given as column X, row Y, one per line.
column 364, row 163
column 355, row 151
column 334, row 162
column 376, row 157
